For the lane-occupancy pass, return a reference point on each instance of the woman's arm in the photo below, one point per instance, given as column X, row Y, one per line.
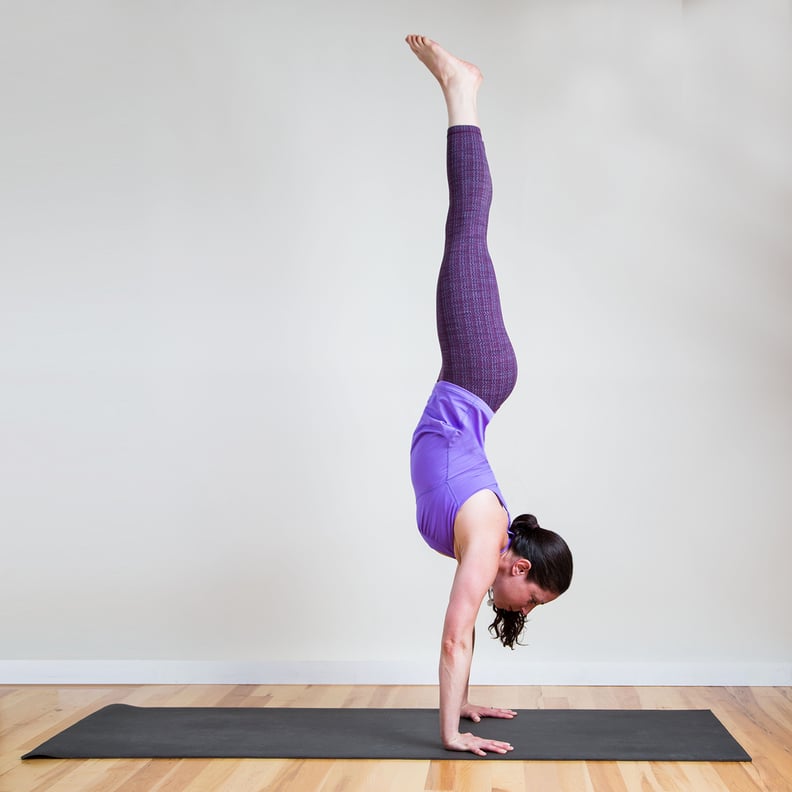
column 479, row 531
column 476, row 712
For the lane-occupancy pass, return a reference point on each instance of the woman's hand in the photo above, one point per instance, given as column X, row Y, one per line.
column 477, row 745
column 475, row 713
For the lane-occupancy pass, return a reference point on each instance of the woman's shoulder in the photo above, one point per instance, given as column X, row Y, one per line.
column 481, row 525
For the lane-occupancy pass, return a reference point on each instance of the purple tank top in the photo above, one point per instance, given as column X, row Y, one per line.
column 447, row 461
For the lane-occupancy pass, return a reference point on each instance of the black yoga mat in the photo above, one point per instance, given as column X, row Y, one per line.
column 646, row 735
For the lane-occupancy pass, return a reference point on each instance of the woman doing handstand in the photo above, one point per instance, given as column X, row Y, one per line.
column 460, row 509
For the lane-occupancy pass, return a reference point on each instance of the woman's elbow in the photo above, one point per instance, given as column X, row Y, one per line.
column 453, row 645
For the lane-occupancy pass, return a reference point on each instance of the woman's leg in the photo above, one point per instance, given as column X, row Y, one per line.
column 477, row 354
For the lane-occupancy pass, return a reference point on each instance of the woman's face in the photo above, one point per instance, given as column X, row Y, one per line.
column 515, row 590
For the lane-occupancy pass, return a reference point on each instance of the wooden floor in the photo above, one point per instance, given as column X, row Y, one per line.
column 760, row 719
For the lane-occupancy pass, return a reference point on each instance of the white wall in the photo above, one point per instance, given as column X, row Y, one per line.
column 221, row 229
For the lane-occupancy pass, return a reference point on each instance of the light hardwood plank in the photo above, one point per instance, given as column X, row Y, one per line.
column 759, row 718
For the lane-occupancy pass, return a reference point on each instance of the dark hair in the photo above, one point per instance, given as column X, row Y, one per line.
column 551, row 569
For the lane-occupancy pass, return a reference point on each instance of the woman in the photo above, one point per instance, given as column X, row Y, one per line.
column 461, row 511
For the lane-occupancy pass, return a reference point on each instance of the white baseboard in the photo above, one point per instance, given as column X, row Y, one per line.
column 190, row 672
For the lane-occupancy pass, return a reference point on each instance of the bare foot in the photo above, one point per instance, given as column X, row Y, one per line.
column 459, row 79
column 448, row 69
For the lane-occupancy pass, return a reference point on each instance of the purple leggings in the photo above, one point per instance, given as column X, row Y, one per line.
column 477, row 353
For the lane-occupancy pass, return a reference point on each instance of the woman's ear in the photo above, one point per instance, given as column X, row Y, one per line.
column 522, row 566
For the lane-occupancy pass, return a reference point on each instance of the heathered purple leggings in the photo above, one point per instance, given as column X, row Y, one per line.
column 477, row 353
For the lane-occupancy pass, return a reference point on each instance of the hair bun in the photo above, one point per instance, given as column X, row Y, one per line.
column 525, row 522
